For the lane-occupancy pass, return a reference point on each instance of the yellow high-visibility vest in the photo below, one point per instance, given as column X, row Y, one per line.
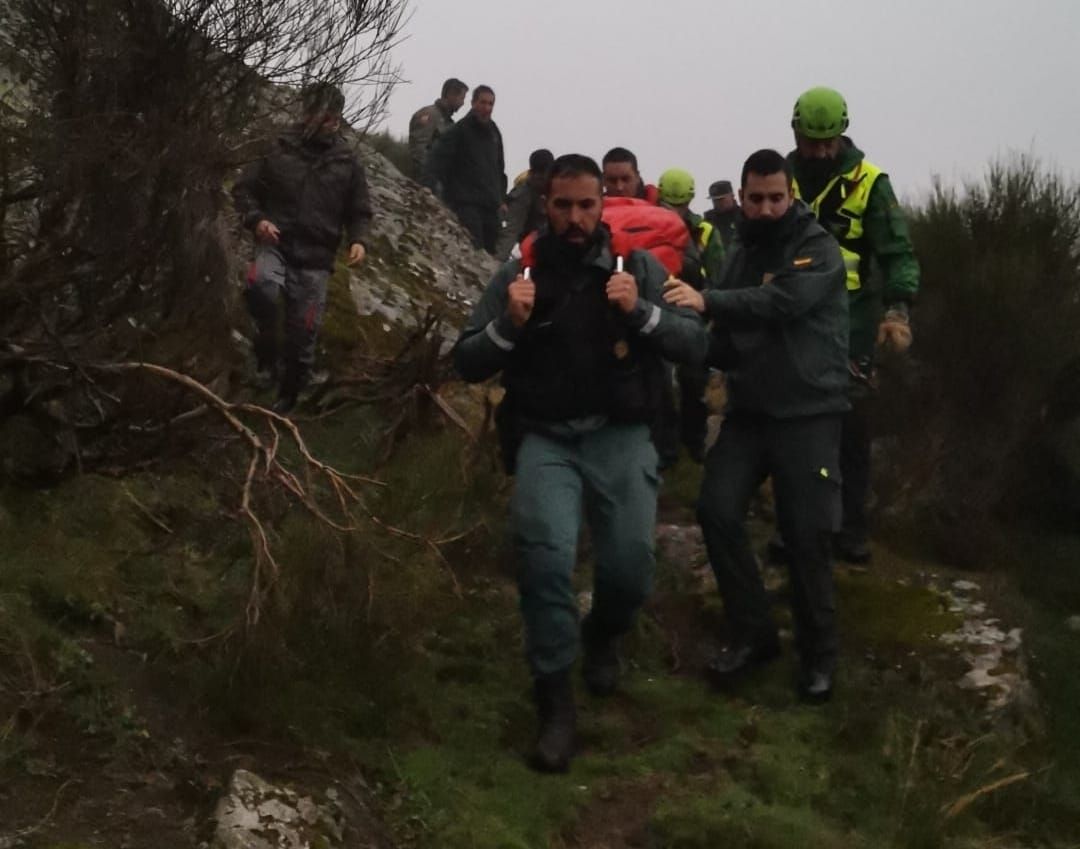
column 705, row 229
column 854, row 187
column 704, row 233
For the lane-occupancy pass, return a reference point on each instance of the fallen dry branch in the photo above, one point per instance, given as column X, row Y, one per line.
column 449, row 411
column 146, row 511
column 18, row 838
column 334, row 498
column 300, row 480
column 964, row 802
column 265, row 461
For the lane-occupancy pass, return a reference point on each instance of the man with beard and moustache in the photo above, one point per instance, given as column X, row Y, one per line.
column 780, row 334
column 725, row 211
column 297, row 200
column 579, row 343
column 468, row 163
column 854, row 201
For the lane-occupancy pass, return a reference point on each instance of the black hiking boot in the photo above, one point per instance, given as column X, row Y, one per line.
column 284, row 404
column 851, row 549
column 776, row 551
column 736, row 661
column 815, row 685
column 557, row 737
column 600, row 666
column 265, row 379
column 292, row 384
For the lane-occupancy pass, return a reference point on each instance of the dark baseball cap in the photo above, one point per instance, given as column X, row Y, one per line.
column 720, row 187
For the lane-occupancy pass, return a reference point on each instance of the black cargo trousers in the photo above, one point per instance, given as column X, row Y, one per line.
column 803, row 456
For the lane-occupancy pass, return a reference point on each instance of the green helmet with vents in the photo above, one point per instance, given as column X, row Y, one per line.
column 676, row 186
column 820, row 113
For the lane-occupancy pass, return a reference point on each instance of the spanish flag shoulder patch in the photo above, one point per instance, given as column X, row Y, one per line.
column 803, row 261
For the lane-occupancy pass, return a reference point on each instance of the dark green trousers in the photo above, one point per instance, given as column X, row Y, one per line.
column 608, row 478
column 803, row 457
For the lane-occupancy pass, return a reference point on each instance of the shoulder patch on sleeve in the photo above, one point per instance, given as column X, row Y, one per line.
column 423, row 118
column 803, row 261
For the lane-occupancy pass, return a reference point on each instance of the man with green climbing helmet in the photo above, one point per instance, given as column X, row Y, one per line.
column 854, row 201
column 676, row 187
column 702, row 262
column 820, row 113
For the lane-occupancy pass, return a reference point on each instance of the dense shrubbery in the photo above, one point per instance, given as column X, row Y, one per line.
column 394, row 149
column 978, row 423
column 120, row 123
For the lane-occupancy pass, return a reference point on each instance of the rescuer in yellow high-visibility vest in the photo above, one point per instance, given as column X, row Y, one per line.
column 854, row 200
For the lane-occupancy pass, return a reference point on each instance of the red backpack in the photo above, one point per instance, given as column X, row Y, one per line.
column 635, row 225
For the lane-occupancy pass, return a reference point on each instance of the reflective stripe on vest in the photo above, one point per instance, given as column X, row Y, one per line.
column 855, row 188
column 704, row 232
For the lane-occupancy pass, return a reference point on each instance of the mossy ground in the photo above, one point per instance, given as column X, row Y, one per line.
column 369, row 658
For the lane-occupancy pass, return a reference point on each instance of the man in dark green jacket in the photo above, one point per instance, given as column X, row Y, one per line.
column 724, row 212
column 780, row 333
column 429, row 123
column 468, row 163
column 579, row 343
column 298, row 200
column 854, row 201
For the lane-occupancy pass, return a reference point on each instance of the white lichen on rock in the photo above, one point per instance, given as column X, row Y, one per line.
column 254, row 814
column 996, row 663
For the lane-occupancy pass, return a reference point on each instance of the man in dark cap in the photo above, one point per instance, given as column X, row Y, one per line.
column 724, row 212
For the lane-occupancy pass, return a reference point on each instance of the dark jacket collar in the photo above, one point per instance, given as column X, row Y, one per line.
column 798, row 217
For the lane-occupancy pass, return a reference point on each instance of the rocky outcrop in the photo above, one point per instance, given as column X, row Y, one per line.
column 420, row 255
column 254, row 814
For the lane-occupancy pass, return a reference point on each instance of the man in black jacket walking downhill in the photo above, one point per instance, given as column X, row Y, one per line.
column 468, row 163
column 297, row 200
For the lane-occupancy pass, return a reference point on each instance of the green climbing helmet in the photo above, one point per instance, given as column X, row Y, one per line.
column 676, row 186
column 820, row 113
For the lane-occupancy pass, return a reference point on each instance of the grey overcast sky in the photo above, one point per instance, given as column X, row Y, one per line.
column 934, row 87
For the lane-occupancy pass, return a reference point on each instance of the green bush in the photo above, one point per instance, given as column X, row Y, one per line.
column 394, row 149
column 996, row 334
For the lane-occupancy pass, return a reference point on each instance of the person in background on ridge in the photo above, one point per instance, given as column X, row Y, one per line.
column 702, row 264
column 702, row 270
column 724, row 212
column 854, row 201
column 622, row 178
column 429, row 122
column 579, row 343
column 525, row 203
column 298, row 200
column 468, row 163
column 780, row 323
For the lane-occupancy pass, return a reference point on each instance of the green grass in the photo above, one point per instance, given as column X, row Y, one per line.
column 368, row 652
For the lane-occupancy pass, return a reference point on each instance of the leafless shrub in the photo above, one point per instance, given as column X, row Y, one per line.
column 121, row 122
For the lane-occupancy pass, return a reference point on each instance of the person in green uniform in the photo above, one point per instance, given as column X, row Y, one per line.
column 579, row 338
column 703, row 259
column 780, row 332
column 853, row 200
column 725, row 210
